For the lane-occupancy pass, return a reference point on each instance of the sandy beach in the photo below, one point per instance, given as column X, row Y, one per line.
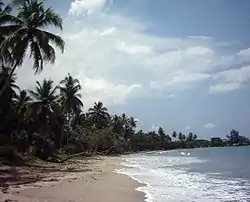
column 91, row 180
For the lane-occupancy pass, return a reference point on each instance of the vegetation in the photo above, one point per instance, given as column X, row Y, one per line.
column 49, row 119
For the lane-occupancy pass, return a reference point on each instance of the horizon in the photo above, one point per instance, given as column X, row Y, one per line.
column 173, row 63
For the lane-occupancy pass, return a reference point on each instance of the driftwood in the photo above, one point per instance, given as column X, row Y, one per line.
column 55, row 159
column 106, row 152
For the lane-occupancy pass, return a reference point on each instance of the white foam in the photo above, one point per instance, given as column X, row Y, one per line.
column 163, row 182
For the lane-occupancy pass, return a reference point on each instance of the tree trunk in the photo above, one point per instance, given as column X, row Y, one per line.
column 8, row 79
column 68, row 127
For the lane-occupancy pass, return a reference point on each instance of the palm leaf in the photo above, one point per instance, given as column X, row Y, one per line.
column 49, row 17
column 56, row 40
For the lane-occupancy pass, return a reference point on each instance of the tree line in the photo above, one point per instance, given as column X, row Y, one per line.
column 50, row 118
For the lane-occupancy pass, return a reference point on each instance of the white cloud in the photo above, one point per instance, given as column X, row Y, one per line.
column 155, row 128
column 115, row 59
column 210, row 125
column 171, row 96
column 223, row 88
column 188, row 127
column 230, row 80
column 133, row 49
column 244, row 55
column 108, row 31
column 235, row 75
column 108, row 92
column 86, row 6
column 182, row 81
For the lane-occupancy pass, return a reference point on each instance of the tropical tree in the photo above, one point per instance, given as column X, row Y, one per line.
column 26, row 31
column 174, row 135
column 4, row 16
column 117, row 124
column 21, row 101
column 190, row 136
column 70, row 98
column 98, row 115
column 44, row 105
column 180, row 136
column 6, row 103
column 162, row 134
column 132, row 122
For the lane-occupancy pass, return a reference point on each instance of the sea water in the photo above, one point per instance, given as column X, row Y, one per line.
column 195, row 175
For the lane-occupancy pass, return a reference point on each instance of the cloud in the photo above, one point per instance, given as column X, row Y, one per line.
column 188, row 127
column 115, row 58
column 181, row 81
column 86, row 6
column 244, row 55
column 133, row 49
column 171, row 96
column 108, row 31
column 230, row 80
column 209, row 125
column 225, row 87
column 155, row 128
column 110, row 93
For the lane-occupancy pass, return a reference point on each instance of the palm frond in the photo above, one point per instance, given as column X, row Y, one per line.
column 34, row 94
column 49, row 17
column 37, row 57
column 56, row 40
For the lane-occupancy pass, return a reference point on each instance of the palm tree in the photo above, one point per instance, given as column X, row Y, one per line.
column 195, row 137
column 162, row 134
column 174, row 135
column 117, row 125
column 21, row 101
column 5, row 55
column 26, row 31
column 180, row 136
column 190, row 136
column 9, row 93
column 70, row 98
column 98, row 115
column 132, row 122
column 45, row 105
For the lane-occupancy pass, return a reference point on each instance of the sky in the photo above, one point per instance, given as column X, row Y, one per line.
column 182, row 65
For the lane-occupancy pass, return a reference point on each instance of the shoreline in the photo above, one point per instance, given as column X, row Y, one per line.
column 95, row 180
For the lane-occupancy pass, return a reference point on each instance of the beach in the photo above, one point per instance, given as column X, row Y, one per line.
column 92, row 180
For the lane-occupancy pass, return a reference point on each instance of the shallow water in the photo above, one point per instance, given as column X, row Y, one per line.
column 206, row 175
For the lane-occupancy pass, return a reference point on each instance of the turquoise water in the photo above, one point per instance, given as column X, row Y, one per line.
column 206, row 175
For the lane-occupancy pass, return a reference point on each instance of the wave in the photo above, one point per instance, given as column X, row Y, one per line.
column 165, row 180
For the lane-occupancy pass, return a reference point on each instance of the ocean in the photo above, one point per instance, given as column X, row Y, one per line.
column 195, row 175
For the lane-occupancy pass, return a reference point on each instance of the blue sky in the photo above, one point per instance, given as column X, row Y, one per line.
column 182, row 65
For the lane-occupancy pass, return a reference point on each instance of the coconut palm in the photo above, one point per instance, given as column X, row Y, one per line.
column 70, row 98
column 26, row 31
column 117, row 125
column 5, row 55
column 6, row 103
column 132, row 122
column 98, row 115
column 21, row 101
column 11, row 87
column 174, row 135
column 10, row 90
column 45, row 106
column 195, row 137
